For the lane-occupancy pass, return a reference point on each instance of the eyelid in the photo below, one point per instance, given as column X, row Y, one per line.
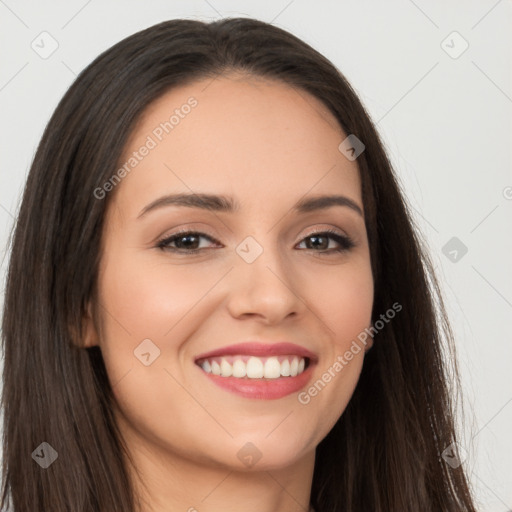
column 189, row 228
column 331, row 230
column 201, row 231
column 185, row 231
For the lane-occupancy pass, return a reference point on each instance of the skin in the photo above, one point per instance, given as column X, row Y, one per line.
column 267, row 145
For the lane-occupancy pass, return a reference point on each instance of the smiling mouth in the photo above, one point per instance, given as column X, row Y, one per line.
column 254, row 367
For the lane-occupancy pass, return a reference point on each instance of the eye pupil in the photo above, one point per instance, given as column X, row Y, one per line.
column 186, row 245
column 316, row 237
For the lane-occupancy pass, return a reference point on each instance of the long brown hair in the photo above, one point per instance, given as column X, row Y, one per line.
column 384, row 453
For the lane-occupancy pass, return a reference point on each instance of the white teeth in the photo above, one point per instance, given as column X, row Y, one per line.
column 272, row 368
column 285, row 368
column 252, row 367
column 215, row 368
column 239, row 369
column 226, row 370
column 294, row 367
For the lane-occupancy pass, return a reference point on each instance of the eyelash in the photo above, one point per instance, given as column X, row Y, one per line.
column 345, row 242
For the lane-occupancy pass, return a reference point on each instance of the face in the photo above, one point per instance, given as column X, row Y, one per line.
column 265, row 272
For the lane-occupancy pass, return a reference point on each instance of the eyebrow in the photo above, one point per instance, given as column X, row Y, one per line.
column 221, row 203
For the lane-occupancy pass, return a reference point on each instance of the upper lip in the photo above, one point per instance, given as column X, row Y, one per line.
column 254, row 348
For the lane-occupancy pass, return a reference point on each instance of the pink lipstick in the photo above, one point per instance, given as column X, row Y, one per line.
column 259, row 370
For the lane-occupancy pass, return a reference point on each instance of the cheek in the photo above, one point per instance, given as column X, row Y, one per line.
column 141, row 302
column 346, row 306
column 148, row 299
column 147, row 309
column 351, row 314
column 344, row 300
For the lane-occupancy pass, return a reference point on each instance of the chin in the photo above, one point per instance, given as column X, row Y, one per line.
column 265, row 452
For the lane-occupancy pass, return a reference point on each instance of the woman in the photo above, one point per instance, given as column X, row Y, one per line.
column 216, row 296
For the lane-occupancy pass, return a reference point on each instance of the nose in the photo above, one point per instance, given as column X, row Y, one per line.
column 266, row 288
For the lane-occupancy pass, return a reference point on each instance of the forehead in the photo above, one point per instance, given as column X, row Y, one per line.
column 238, row 135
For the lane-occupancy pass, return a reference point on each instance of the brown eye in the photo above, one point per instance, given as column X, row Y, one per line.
column 321, row 240
column 186, row 241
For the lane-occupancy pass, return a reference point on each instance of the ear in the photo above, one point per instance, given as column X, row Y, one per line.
column 369, row 344
column 90, row 336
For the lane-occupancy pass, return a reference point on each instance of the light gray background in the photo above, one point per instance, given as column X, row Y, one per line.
column 446, row 123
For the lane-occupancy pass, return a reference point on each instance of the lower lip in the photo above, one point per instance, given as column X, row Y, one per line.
column 262, row 389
